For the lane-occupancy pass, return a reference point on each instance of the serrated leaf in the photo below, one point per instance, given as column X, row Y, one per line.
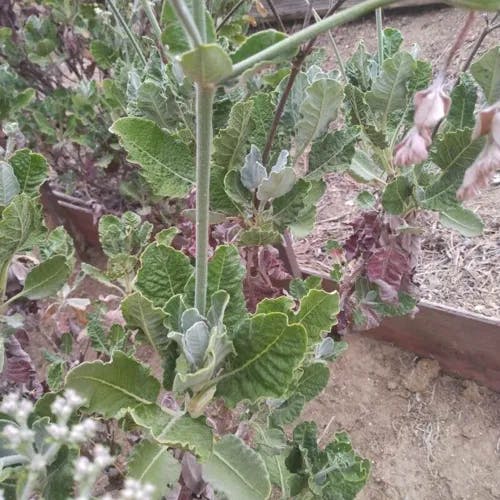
column 306, row 218
column 237, row 470
column 46, row 278
column 152, row 463
column 230, row 143
column 454, row 153
column 486, row 72
column 333, row 153
column 258, row 237
column 263, row 111
column 389, row 90
column 140, row 313
column 30, row 169
column 226, row 272
column 462, row 220
column 276, row 185
column 235, row 189
column 313, row 380
column 166, row 236
column 103, row 55
column 9, row 185
column 364, row 169
column 362, row 115
column 207, row 64
column 318, row 313
column 463, row 103
column 113, row 387
column 358, row 68
column 20, row 222
column 286, row 209
column 397, row 196
column 176, row 430
column 320, row 107
column 163, row 274
column 289, row 411
column 261, row 342
column 392, row 40
column 219, row 198
column 260, row 41
column 281, row 304
column 167, row 163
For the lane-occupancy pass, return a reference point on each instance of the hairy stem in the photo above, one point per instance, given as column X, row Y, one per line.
column 199, row 18
column 128, row 31
column 155, row 26
column 486, row 31
column 380, row 37
column 188, row 23
column 306, row 34
column 204, row 136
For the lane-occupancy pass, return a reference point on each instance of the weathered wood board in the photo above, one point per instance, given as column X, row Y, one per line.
column 465, row 344
column 295, row 10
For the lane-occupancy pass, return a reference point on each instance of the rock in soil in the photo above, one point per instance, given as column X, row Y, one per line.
column 421, row 377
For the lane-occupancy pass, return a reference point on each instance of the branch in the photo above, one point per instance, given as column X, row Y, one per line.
column 187, row 22
column 276, row 15
column 306, row 34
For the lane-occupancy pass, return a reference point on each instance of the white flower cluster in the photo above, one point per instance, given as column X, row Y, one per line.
column 87, row 471
column 134, row 490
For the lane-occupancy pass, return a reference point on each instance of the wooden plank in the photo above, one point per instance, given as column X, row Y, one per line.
column 465, row 344
column 295, row 10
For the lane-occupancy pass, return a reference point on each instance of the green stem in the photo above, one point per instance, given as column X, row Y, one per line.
column 128, row 32
column 380, row 37
column 4, row 275
column 349, row 14
column 340, row 61
column 146, row 5
column 204, row 136
column 188, row 23
column 199, row 18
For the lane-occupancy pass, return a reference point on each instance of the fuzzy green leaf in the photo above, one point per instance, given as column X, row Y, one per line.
column 230, row 143
column 462, row 220
column 313, row 380
column 286, row 209
column 30, row 169
column 320, row 107
column 207, row 64
column 175, row 430
column 163, row 274
column 268, row 351
column 20, row 221
column 333, row 153
column 114, row 387
column 167, row 163
column 47, row 278
column 237, row 470
column 152, row 463
column 258, row 237
column 364, row 169
column 463, row 102
column 287, row 412
column 9, row 185
column 260, row 41
column 486, row 72
column 140, row 313
column 396, row 198
column 318, row 313
column 389, row 91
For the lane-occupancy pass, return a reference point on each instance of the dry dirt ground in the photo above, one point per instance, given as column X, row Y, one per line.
column 429, row 436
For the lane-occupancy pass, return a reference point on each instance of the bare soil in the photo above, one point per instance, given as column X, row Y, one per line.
column 429, row 436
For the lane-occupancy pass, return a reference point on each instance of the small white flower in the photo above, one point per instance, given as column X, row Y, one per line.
column 83, row 431
column 23, row 410
column 83, row 467
column 58, row 431
column 9, row 403
column 73, row 399
column 12, row 434
column 102, row 458
column 38, row 463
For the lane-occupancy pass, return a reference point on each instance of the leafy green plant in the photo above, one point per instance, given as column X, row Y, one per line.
column 23, row 235
column 214, row 357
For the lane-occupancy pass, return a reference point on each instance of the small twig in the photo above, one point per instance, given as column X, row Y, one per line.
column 276, row 15
column 380, row 37
column 486, row 31
column 230, row 14
column 128, row 32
